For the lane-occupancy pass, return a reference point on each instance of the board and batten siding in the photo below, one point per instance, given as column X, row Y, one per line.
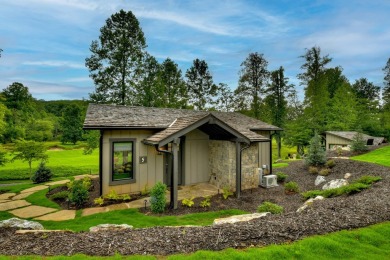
column 145, row 174
column 264, row 150
column 335, row 140
column 196, row 157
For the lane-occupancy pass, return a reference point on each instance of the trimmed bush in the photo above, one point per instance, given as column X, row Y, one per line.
column 78, row 194
column 60, row 195
column 324, row 172
column 313, row 170
column 157, row 198
column 43, row 174
column 267, row 206
column 281, row 177
column 291, row 186
column 330, row 164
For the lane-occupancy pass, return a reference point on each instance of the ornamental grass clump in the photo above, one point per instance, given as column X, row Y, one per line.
column 157, row 198
column 267, row 206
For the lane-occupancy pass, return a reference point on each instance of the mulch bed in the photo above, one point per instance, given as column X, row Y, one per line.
column 345, row 212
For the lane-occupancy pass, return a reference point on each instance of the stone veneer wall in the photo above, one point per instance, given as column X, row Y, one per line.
column 223, row 165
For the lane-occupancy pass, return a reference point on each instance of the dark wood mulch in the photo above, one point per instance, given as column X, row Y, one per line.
column 345, row 212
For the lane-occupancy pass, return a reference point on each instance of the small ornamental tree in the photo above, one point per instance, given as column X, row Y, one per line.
column 316, row 155
column 29, row 151
column 358, row 143
column 43, row 174
column 157, row 198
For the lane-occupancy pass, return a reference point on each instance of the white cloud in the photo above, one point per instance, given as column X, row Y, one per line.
column 55, row 63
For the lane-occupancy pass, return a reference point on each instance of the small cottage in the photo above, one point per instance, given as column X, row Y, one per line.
column 140, row 146
column 343, row 139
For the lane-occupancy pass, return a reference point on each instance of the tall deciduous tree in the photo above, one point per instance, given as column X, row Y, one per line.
column 314, row 65
column 253, row 80
column 200, row 86
column 174, row 88
column 17, row 96
column 386, row 88
column 316, row 88
column 116, row 60
column 149, row 92
column 72, row 124
column 342, row 114
column 277, row 102
column 29, row 151
column 225, row 98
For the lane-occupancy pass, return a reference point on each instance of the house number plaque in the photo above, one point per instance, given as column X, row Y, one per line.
column 143, row 159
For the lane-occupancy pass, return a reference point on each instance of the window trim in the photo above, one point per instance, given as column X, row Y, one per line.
column 111, row 158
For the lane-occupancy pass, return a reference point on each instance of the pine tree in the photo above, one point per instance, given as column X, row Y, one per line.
column 316, row 155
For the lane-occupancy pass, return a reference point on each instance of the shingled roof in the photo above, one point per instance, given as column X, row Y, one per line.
column 348, row 135
column 169, row 120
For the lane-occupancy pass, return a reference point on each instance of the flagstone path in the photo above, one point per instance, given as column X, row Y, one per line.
column 18, row 206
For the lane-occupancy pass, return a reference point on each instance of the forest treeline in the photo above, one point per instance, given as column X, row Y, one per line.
column 124, row 73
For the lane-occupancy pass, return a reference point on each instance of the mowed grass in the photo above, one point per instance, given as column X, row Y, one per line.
column 365, row 243
column 134, row 218
column 63, row 163
column 379, row 156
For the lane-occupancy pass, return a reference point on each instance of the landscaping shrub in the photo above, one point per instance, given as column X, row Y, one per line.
column 281, row 177
column 158, row 200
column 313, row 170
column 188, row 202
column 43, row 174
column 112, row 195
column 78, row 194
column 60, row 195
column 291, row 186
column 357, row 186
column 358, row 143
column 324, row 172
column 267, row 206
column 330, row 164
column 206, row 202
column 368, row 179
column 226, row 192
column 99, row 201
column 316, row 154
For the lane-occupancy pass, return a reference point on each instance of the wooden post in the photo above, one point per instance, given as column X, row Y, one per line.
column 175, row 179
column 238, row 169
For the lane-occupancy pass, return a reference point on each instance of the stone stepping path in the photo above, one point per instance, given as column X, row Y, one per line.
column 13, row 205
column 16, row 205
column 32, row 211
column 59, row 215
column 6, row 196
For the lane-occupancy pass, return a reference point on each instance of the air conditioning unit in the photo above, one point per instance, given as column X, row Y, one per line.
column 266, row 180
column 269, row 181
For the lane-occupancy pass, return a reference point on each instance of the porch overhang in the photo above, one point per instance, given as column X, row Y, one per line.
column 209, row 124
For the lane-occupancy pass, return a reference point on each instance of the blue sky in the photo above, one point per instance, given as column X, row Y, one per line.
column 45, row 42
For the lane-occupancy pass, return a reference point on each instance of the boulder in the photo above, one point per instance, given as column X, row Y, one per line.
column 335, row 184
column 21, row 224
column 113, row 227
column 347, row 175
column 239, row 218
column 320, row 179
column 308, row 203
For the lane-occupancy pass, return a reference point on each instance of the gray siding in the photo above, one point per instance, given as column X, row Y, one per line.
column 145, row 174
column 196, row 157
column 335, row 140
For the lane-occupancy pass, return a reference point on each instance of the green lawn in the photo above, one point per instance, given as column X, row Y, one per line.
column 61, row 162
column 379, row 156
column 365, row 243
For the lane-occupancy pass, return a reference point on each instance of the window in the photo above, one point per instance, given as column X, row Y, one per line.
column 122, row 161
